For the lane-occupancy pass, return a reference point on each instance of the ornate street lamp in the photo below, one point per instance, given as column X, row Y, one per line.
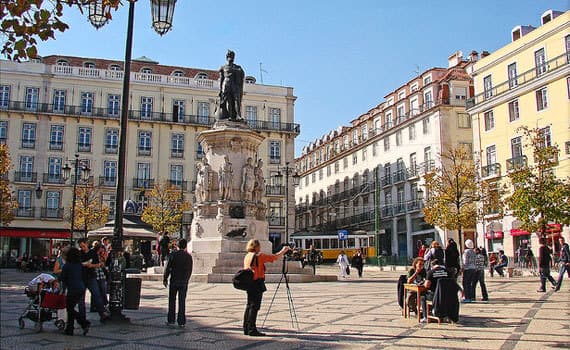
column 98, row 13
column 39, row 191
column 162, row 12
column 66, row 174
column 287, row 171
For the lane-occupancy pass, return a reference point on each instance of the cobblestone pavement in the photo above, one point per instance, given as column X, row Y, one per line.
column 357, row 314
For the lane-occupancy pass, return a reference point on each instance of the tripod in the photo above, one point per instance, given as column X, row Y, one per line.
column 292, row 313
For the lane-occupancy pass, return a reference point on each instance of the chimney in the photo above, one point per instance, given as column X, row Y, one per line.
column 485, row 54
column 549, row 16
column 473, row 56
column 454, row 59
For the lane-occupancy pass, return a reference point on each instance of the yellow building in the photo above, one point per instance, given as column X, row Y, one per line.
column 524, row 83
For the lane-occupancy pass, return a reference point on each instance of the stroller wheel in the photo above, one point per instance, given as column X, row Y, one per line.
column 21, row 323
column 60, row 324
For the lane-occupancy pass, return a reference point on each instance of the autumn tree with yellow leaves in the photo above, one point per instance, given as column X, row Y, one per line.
column 165, row 208
column 7, row 202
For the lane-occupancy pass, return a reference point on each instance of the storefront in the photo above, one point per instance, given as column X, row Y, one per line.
column 494, row 240
column 15, row 243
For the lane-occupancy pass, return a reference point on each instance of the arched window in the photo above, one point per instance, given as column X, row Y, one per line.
column 250, row 80
column 201, row 76
column 90, row 65
column 115, row 67
column 146, row 70
column 178, row 73
column 62, row 63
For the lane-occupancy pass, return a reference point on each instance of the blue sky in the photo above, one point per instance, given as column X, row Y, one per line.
column 341, row 57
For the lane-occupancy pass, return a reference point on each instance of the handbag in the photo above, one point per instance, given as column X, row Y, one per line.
column 243, row 279
column 348, row 270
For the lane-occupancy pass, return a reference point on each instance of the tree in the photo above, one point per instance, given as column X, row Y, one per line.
column 538, row 196
column 90, row 212
column 452, row 192
column 23, row 22
column 165, row 209
column 7, row 202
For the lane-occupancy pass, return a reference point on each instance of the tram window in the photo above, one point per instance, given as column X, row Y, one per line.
column 326, row 243
column 363, row 242
column 317, row 243
column 350, row 243
column 298, row 243
column 371, row 241
column 334, row 243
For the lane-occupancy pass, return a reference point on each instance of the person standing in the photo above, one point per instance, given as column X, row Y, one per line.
column 564, row 262
column 480, row 275
column 434, row 252
column 469, row 271
column 255, row 260
column 179, row 268
column 342, row 262
column 90, row 261
column 164, row 245
column 72, row 277
column 422, row 250
column 452, row 258
column 312, row 257
column 544, row 263
column 358, row 261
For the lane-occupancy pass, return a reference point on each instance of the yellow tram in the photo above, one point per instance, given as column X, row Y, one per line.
column 330, row 245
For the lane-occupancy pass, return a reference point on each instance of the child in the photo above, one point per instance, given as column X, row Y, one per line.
column 44, row 281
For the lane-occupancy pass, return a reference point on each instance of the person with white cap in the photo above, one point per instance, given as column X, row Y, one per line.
column 469, row 271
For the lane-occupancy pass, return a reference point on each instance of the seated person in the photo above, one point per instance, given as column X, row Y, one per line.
column 416, row 275
column 43, row 281
column 436, row 272
column 503, row 262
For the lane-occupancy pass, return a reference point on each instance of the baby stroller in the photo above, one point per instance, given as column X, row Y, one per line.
column 42, row 307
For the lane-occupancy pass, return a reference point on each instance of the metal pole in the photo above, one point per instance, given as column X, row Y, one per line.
column 116, row 288
column 286, row 202
column 181, row 212
column 74, row 198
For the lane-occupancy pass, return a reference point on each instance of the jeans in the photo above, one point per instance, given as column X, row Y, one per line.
column 563, row 268
column 254, row 296
column 93, row 287
column 424, row 298
column 545, row 275
column 469, row 280
column 181, row 289
column 499, row 269
column 72, row 315
column 480, row 277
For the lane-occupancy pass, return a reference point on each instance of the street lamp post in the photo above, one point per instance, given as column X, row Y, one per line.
column 162, row 12
column 287, row 171
column 85, row 172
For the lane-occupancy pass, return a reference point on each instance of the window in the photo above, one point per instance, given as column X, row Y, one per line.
column 540, row 62
column 567, row 42
column 178, row 73
column 109, row 201
column 32, row 97
column 146, row 70
column 25, row 203
column 460, row 92
column 329, row 171
column 54, row 170
column 427, row 154
column 364, row 132
column 488, row 86
column 143, row 175
column 176, row 174
column 26, row 169
column 355, row 137
column 203, row 112
column 84, row 139
column 413, row 163
column 113, row 105
column 110, row 172
column 58, row 101
column 512, row 73
column 4, row 96
column 463, row 120
column 52, row 204
column 489, row 120
column 399, row 138
column 251, row 115
column 428, row 100
column 275, row 118
column 345, row 162
column 400, row 112
column 425, row 125
column 178, row 111
column 320, row 174
column 146, row 107
column 201, row 76
column 414, row 87
column 115, row 67
column 364, row 154
column 414, row 106
column 374, row 149
column 513, row 110
column 516, row 147
column 86, row 103
column 388, row 121
column 541, row 99
column 427, row 80
column 89, row 65
column 345, row 141
column 28, row 135
column 491, row 155
column 177, row 146
column 546, row 137
column 354, row 159
column 56, row 137
column 274, row 152
column 386, row 143
column 314, row 177
column 199, row 151
column 3, row 131
column 336, row 167
column 145, row 143
column 412, row 131
column 111, row 140
column 63, row 63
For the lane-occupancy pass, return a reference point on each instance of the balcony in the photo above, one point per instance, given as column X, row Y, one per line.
column 491, row 170
column 52, row 213
column 274, row 190
column 387, row 211
column 413, row 171
column 400, row 208
column 142, row 183
column 386, row 180
column 426, row 167
column 28, row 144
column 177, row 153
column 56, row 145
column 111, row 149
column 27, row 177
column 414, row 205
column 516, row 163
column 179, row 184
column 107, row 181
column 522, row 79
column 144, row 151
column 399, row 176
column 276, row 220
column 50, row 178
column 83, row 147
column 2, row 140
column 274, row 160
column 24, row 212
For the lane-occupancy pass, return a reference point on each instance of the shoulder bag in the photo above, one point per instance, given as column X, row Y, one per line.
column 243, row 279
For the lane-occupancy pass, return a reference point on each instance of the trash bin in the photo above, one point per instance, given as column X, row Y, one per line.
column 132, row 293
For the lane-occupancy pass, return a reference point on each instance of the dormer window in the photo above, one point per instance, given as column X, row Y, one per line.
column 414, row 87
column 89, row 65
column 62, row 63
column 178, row 73
column 250, row 80
column 115, row 67
column 401, row 95
column 201, row 76
column 427, row 80
column 146, row 70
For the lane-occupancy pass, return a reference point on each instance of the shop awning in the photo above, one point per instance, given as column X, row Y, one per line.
column 518, row 232
column 34, row 233
column 494, row 235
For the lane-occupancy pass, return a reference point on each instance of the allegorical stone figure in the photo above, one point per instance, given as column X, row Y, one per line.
column 225, row 175
column 202, row 181
column 248, row 180
column 231, row 89
column 259, row 185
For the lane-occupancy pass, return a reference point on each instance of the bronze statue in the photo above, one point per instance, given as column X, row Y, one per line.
column 231, row 89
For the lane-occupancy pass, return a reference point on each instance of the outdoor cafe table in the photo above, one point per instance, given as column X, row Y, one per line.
column 419, row 289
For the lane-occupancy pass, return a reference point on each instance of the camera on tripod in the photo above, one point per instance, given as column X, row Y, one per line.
column 291, row 245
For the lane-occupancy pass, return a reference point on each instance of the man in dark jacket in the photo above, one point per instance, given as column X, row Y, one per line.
column 564, row 262
column 179, row 268
column 544, row 262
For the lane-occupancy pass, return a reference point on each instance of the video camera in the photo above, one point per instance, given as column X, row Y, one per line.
column 291, row 245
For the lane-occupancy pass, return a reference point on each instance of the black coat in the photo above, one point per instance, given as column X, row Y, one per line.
column 401, row 281
column 445, row 299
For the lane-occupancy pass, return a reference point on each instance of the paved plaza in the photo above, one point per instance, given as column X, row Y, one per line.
column 356, row 314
